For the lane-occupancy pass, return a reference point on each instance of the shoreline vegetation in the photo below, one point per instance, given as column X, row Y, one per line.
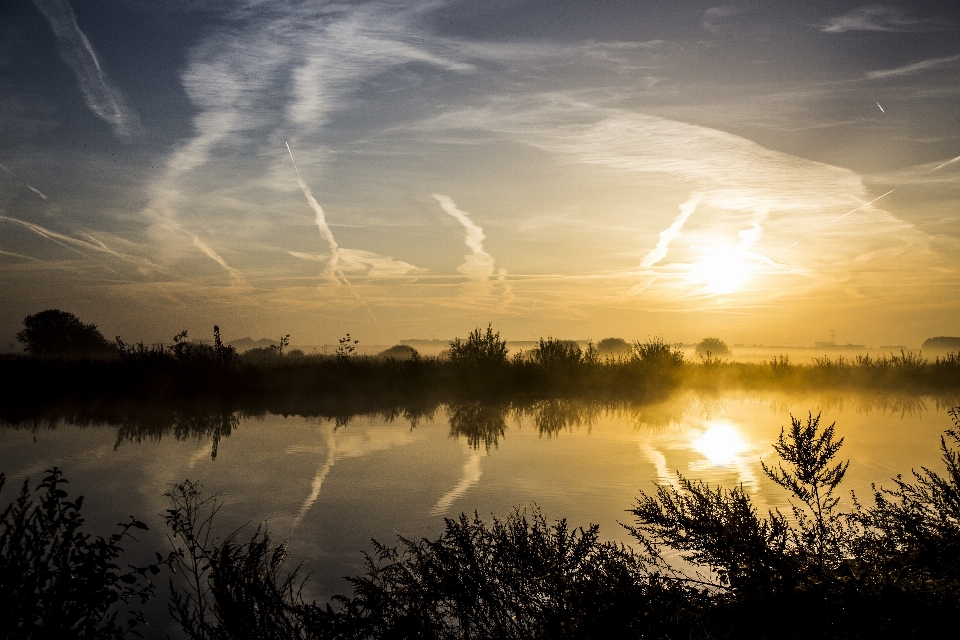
column 70, row 365
column 703, row 564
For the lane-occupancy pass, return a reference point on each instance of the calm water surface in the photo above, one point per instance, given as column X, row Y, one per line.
column 328, row 487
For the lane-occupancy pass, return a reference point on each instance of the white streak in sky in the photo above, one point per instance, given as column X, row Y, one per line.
column 872, row 18
column 881, row 108
column 17, row 255
column 910, row 69
column 827, row 224
column 333, row 267
column 937, row 168
column 671, row 233
column 4, row 167
column 470, row 476
column 479, row 263
column 36, row 191
column 105, row 100
column 208, row 251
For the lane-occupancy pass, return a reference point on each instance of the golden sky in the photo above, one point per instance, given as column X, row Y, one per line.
column 761, row 174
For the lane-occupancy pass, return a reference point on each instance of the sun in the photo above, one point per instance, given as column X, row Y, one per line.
column 722, row 270
column 721, row 444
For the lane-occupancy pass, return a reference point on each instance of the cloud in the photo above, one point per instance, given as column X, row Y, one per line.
column 358, row 261
column 104, row 99
column 208, row 251
column 915, row 67
column 671, row 233
column 873, row 18
column 36, row 191
column 478, row 264
column 714, row 16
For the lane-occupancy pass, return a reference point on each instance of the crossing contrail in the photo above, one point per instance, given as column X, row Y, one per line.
column 333, row 267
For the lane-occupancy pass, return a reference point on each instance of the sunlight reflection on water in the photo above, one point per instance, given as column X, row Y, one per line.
column 329, row 485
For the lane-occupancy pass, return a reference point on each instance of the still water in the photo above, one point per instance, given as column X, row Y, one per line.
column 328, row 485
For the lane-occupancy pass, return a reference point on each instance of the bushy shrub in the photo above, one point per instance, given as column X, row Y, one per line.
column 480, row 349
column 712, row 347
column 58, row 582
column 655, row 352
column 613, row 347
column 556, row 353
column 399, row 352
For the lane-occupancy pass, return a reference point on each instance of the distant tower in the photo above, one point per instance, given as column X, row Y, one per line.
column 833, row 336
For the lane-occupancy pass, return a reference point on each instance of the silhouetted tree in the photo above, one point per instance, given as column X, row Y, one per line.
column 712, row 347
column 479, row 349
column 55, row 333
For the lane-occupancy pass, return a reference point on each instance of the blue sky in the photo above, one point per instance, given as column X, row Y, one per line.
column 563, row 168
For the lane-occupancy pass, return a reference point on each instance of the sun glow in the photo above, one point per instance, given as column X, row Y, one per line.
column 722, row 270
column 721, row 444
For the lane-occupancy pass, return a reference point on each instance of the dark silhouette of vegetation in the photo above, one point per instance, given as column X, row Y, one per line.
column 185, row 375
column 885, row 571
column 707, row 565
column 58, row 582
column 712, row 347
column 613, row 347
column 480, row 350
column 59, row 334
column 942, row 343
column 399, row 352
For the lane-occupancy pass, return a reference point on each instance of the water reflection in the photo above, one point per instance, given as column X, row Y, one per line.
column 330, row 480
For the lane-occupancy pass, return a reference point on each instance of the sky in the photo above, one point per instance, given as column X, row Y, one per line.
column 760, row 172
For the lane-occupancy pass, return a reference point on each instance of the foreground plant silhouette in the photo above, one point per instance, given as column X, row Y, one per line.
column 57, row 581
column 888, row 571
column 706, row 565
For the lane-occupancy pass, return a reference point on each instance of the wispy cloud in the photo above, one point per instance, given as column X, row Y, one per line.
column 333, row 264
column 478, row 264
column 874, row 18
column 915, row 67
column 91, row 244
column 714, row 17
column 368, row 263
column 36, row 191
column 102, row 97
column 671, row 233
column 208, row 251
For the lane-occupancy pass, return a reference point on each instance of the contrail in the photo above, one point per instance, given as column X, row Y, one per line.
column 321, row 220
column 671, row 233
column 827, row 224
column 881, row 108
column 36, row 191
column 333, row 267
column 102, row 97
column 479, row 264
column 941, row 166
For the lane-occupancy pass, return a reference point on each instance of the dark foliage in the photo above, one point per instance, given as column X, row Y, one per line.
column 708, row 565
column 59, row 334
column 613, row 347
column 229, row 589
column 484, row 350
column 58, row 582
column 712, row 347
column 514, row 578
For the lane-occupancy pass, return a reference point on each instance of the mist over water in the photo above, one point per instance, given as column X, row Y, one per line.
column 330, row 484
